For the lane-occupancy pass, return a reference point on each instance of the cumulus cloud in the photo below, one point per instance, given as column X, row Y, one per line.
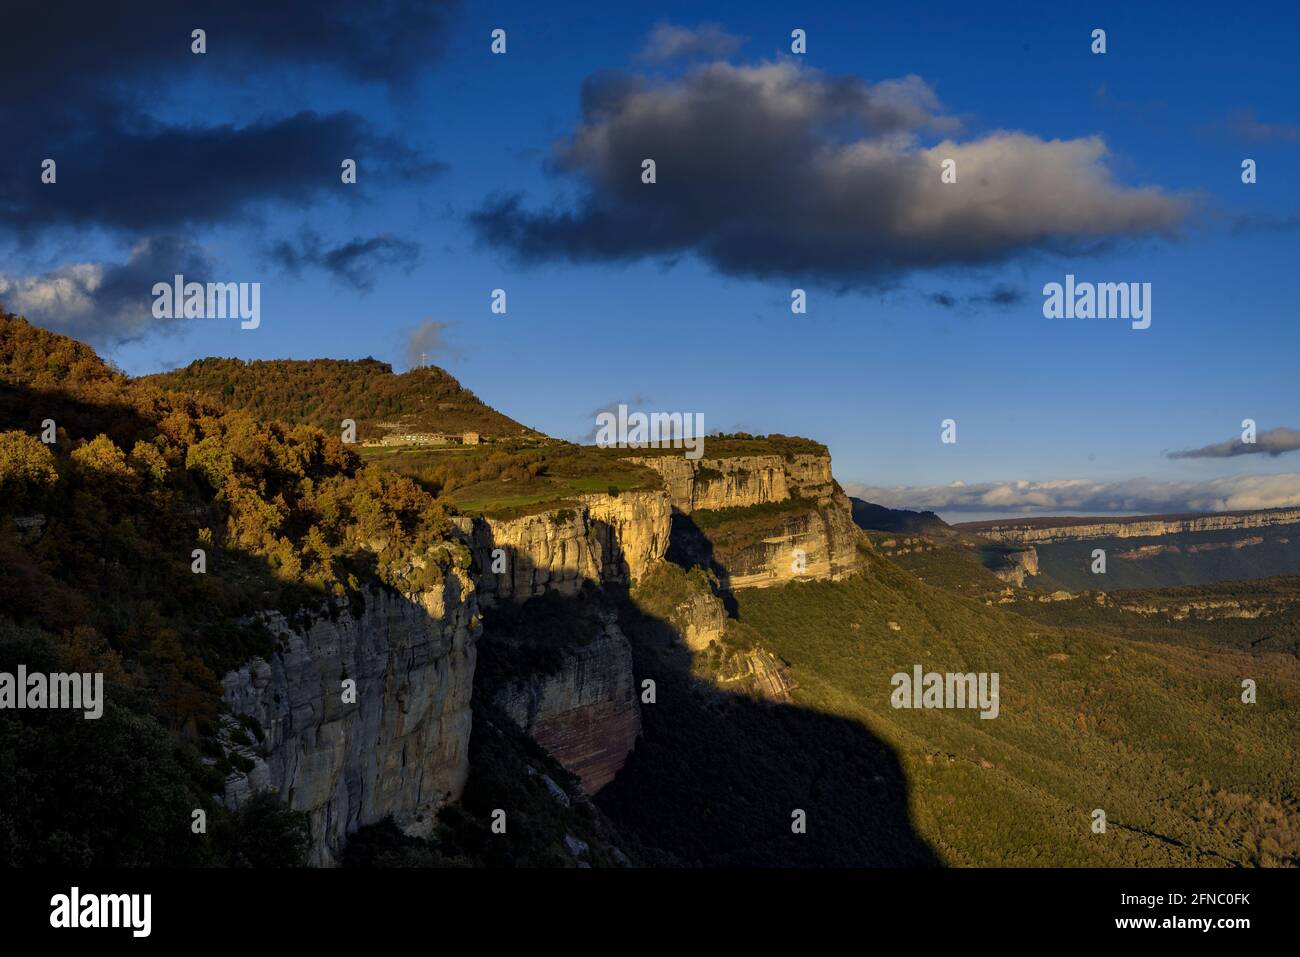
column 777, row 169
column 354, row 263
column 1080, row 495
column 106, row 303
column 667, row 41
column 1274, row 442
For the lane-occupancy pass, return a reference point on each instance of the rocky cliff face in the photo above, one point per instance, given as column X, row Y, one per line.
column 700, row 620
column 755, row 672
column 816, row 543
column 1137, row 528
column 1015, row 565
column 741, row 481
column 602, row 538
column 400, row 748
column 586, row 712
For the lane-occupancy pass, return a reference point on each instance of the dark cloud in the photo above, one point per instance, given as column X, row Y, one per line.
column 158, row 178
column 107, row 303
column 354, row 263
column 1000, row 296
column 779, row 170
column 70, row 54
column 1274, row 442
column 80, row 83
column 668, row 41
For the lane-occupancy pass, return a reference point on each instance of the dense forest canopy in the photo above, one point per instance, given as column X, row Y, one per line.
column 324, row 392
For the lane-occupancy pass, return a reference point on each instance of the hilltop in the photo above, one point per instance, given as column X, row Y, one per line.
column 878, row 518
column 324, row 392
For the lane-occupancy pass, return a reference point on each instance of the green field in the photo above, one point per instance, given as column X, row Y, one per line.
column 513, row 480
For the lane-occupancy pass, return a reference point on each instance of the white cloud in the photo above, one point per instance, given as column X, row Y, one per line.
column 1081, row 495
column 105, row 303
column 67, row 293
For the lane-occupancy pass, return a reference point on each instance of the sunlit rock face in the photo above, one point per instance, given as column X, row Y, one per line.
column 815, row 544
column 1015, row 565
column 601, row 538
column 741, row 481
column 819, row 541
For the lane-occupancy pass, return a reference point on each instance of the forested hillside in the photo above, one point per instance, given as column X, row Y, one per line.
column 323, row 392
column 98, row 532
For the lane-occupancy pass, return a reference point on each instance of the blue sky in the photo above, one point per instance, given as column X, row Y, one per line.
column 1178, row 99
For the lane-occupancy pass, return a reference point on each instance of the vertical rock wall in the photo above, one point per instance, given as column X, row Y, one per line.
column 400, row 749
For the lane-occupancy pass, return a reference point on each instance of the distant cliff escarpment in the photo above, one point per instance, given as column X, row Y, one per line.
column 1039, row 531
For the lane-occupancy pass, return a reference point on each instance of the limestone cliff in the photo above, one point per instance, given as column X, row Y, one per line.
column 1014, row 565
column 741, row 481
column 754, row 548
column 699, row 620
column 758, row 547
column 400, row 749
column 1069, row 529
column 600, row 538
column 754, row 672
column 817, row 543
column 683, row 607
column 585, row 713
